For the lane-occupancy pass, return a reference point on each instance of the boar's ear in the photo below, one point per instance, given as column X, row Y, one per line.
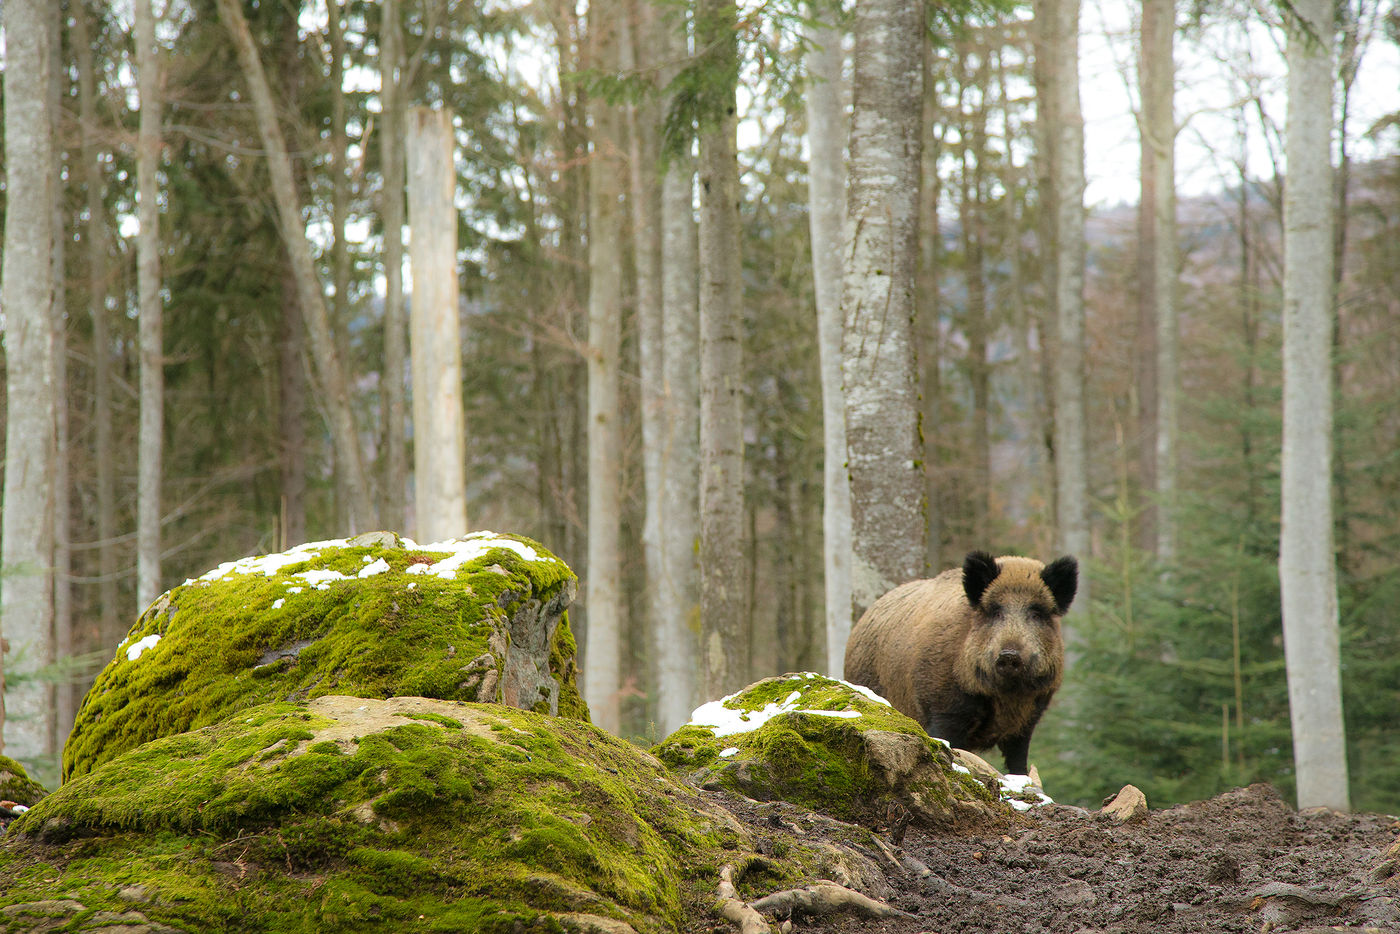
column 1062, row 577
column 979, row 570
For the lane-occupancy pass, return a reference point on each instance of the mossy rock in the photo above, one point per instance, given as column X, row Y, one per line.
column 830, row 746
column 17, row 786
column 353, row 814
column 482, row 618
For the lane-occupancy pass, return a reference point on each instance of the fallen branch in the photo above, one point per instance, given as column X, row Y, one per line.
column 733, row 908
column 825, row 898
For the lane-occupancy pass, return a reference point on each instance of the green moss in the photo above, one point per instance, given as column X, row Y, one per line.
column 16, row 785
column 254, row 638
column 472, row 816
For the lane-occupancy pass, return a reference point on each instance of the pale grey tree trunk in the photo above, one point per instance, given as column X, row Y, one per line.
column 344, row 434
column 826, row 198
column 675, row 644
column 724, row 613
column 391, row 210
column 95, row 250
column 1157, row 272
column 1071, row 457
column 26, row 287
column 606, row 168
column 1307, row 561
column 291, row 416
column 150, row 442
column 439, row 433
column 65, row 700
column 881, row 394
column 639, row 49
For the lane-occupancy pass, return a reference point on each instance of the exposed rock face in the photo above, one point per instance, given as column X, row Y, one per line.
column 349, row 814
column 482, row 618
column 830, row 746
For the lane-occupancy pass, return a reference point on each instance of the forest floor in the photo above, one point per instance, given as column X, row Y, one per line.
column 1243, row 861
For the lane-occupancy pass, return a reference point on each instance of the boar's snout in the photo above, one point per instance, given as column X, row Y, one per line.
column 1009, row 661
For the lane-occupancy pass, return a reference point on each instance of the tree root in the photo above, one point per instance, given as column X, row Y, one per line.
column 824, row 898
column 733, row 908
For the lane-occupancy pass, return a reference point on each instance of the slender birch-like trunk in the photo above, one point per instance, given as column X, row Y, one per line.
column 1307, row 560
column 826, row 197
column 603, row 656
column 676, row 646
column 724, row 544
column 26, row 280
column 150, row 441
column 391, row 209
column 344, row 433
column 881, row 393
column 439, row 450
column 95, row 251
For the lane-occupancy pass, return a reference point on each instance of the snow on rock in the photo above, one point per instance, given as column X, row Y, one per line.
column 133, row 651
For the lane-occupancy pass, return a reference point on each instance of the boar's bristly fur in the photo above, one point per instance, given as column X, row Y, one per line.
column 974, row 654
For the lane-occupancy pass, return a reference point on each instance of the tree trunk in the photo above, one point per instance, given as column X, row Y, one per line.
column 602, row 660
column 26, row 280
column 826, row 196
column 1071, row 459
column 639, row 50
column 930, row 354
column 344, row 433
column 676, row 647
column 439, row 448
column 151, row 432
column 724, row 615
column 1157, row 272
column 391, row 209
column 882, row 408
column 66, row 697
column 291, row 417
column 95, row 249
column 1307, row 564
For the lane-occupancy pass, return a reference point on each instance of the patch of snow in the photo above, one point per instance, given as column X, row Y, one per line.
column 277, row 604
column 369, row 570
column 1021, row 784
column 725, row 721
column 468, row 548
column 726, row 753
column 134, row 651
column 320, row 578
column 862, row 689
column 291, row 589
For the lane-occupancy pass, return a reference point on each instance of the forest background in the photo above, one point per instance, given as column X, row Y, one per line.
column 1178, row 679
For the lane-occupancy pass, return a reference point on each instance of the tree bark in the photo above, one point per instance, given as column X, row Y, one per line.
column 391, row 210
column 344, row 434
column 66, row 697
column 26, row 280
column 638, row 52
column 602, row 661
column 151, row 432
column 1157, row 272
column 724, row 614
column 291, row 416
column 826, row 190
column 1071, row 459
column 882, row 413
column 1307, row 562
column 95, row 250
column 439, row 449
column 676, row 646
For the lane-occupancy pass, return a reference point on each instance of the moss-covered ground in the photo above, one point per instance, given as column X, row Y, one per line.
column 375, row 617
column 427, row 815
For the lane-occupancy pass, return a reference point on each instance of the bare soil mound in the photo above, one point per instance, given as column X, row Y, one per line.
column 1243, row 861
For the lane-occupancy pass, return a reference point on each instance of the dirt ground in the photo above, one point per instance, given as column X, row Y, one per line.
column 1243, row 861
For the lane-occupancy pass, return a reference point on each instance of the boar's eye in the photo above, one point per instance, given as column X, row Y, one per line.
column 1040, row 614
column 994, row 610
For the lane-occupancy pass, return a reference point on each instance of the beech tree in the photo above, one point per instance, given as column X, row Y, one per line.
column 391, row 209
column 724, row 612
column 881, row 395
column 826, row 188
column 606, row 170
column 26, row 281
column 329, row 367
column 150, row 444
column 1307, row 561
